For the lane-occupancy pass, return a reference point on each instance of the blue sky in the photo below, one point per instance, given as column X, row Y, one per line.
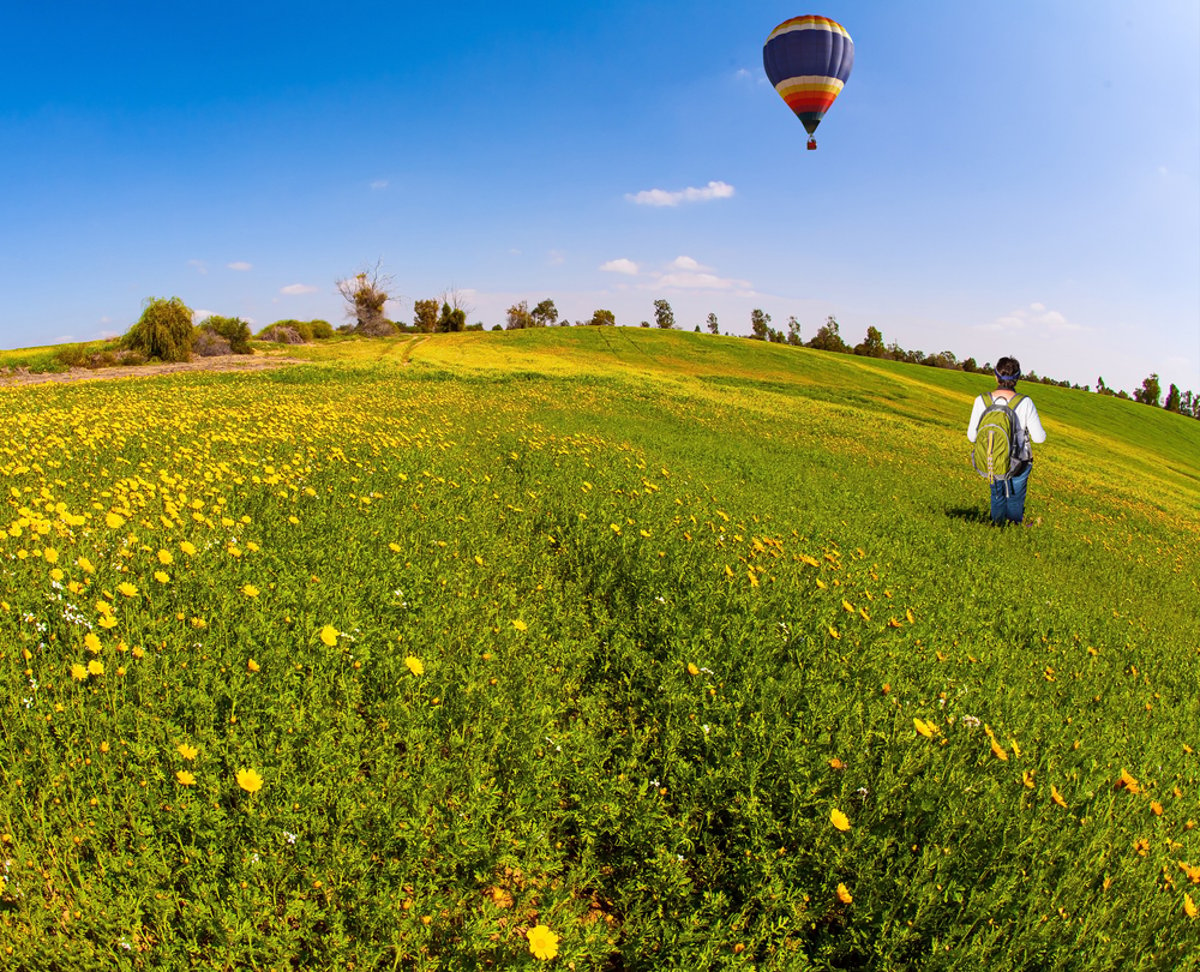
column 1019, row 178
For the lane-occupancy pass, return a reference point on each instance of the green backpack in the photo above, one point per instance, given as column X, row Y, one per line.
column 995, row 456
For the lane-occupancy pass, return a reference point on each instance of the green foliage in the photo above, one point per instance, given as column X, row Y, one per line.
column 594, row 629
column 1150, row 392
column 425, row 315
column 872, row 345
column 828, row 338
column 664, row 317
column 603, row 318
column 164, row 332
column 235, row 331
column 760, row 322
column 545, row 314
column 518, row 317
column 452, row 319
column 321, row 330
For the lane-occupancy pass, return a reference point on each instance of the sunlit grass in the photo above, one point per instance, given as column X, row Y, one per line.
column 684, row 651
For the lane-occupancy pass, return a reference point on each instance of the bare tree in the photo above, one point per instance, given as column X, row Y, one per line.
column 365, row 294
column 457, row 299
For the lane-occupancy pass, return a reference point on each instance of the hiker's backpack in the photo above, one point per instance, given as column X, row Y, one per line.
column 996, row 455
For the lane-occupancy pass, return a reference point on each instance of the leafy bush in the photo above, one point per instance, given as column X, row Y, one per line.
column 321, row 330
column 234, row 330
column 71, row 356
column 164, row 331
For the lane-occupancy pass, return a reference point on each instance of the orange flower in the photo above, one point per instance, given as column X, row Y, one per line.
column 843, row 894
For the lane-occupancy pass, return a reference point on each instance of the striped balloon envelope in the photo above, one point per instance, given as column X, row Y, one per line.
column 808, row 60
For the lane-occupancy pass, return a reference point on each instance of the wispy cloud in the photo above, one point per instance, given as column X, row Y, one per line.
column 298, row 288
column 621, row 265
column 1033, row 319
column 556, row 258
column 664, row 197
column 378, row 184
column 683, row 273
column 240, row 265
column 198, row 265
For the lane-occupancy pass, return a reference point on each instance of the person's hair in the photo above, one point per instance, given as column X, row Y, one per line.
column 1008, row 373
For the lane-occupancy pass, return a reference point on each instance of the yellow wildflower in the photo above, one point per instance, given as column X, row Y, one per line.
column 414, row 665
column 187, row 752
column 839, row 819
column 184, row 777
column 329, row 635
column 543, row 943
column 79, row 672
column 249, row 780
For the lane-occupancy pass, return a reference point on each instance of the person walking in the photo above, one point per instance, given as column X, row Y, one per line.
column 1008, row 492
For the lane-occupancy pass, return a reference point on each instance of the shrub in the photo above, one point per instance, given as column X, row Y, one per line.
column 234, row 330
column 209, row 343
column 164, row 330
column 303, row 328
column 321, row 330
column 71, row 356
column 102, row 359
column 281, row 332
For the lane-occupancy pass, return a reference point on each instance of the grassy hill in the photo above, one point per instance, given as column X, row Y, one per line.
column 697, row 652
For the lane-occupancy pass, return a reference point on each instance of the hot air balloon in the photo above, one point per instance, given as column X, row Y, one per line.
column 808, row 60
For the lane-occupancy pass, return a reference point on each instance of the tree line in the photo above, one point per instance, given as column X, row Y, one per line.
column 367, row 292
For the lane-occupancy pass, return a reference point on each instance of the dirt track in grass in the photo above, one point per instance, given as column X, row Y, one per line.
column 223, row 362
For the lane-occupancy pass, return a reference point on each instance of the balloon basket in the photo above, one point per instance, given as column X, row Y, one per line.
column 812, row 144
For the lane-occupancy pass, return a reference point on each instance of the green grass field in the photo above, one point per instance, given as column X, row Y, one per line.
column 592, row 648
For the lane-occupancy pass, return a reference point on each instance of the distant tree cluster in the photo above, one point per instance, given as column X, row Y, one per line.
column 165, row 332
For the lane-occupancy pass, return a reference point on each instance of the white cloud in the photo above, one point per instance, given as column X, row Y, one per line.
column 200, row 314
column 298, row 289
column 689, row 280
column 556, row 258
column 621, row 265
column 1036, row 318
column 240, row 265
column 198, row 265
column 378, row 184
column 683, row 273
column 662, row 197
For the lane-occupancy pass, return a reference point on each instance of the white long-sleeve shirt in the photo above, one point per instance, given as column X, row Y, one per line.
column 1029, row 425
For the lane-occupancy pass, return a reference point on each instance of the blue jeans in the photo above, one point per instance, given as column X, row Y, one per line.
column 1008, row 498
